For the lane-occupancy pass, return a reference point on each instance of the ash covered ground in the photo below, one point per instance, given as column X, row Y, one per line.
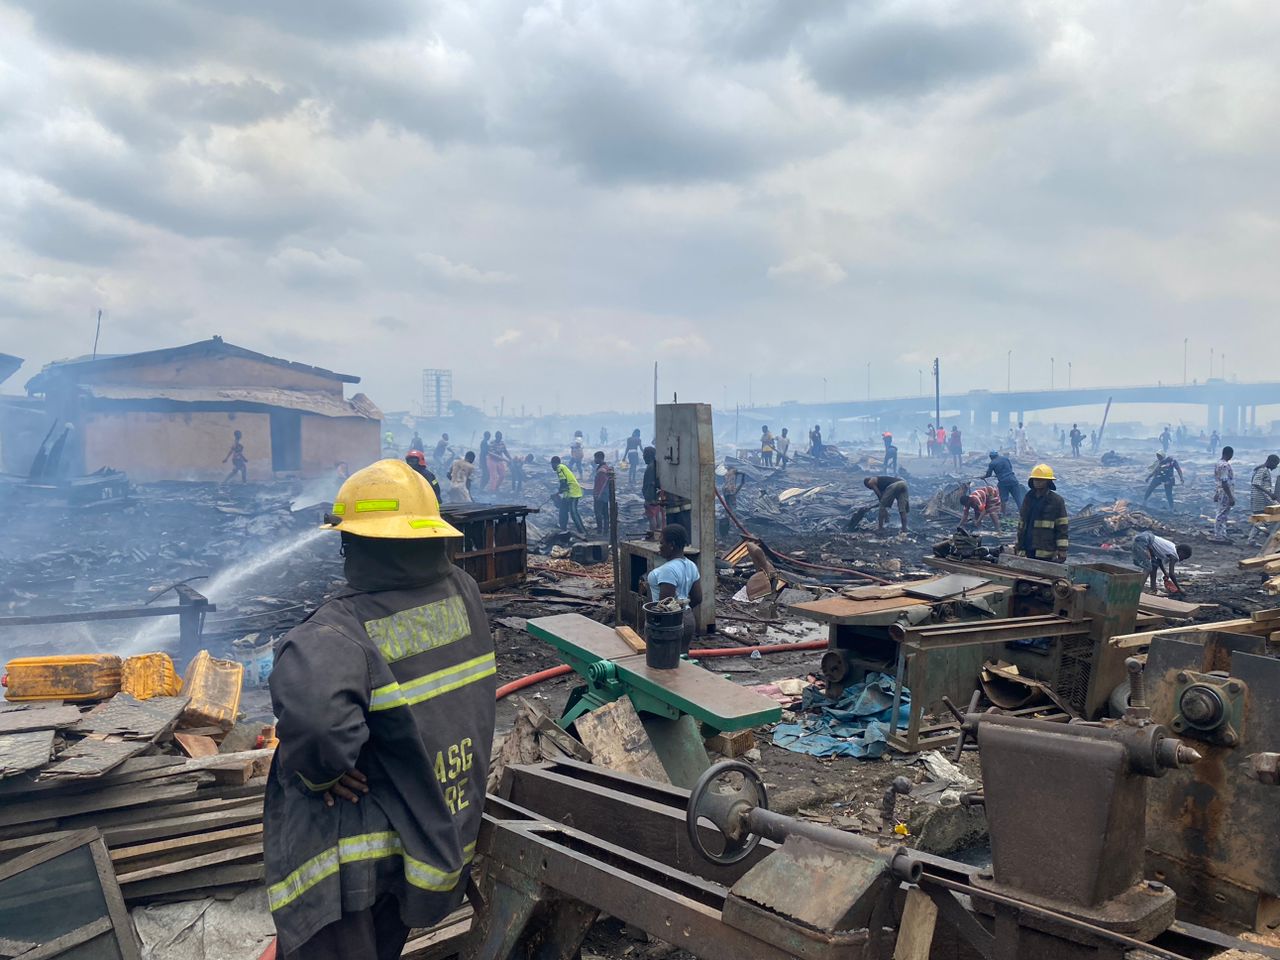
column 266, row 566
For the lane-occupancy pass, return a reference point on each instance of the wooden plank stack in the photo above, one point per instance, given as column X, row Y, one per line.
column 181, row 813
column 1267, row 559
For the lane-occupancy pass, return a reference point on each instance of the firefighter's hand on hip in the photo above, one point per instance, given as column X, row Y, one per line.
column 351, row 786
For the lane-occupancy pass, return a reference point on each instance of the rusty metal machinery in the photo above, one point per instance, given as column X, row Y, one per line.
column 717, row 873
column 1214, row 836
column 1066, row 806
column 1051, row 621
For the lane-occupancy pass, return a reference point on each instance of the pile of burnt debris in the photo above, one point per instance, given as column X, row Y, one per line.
column 147, row 800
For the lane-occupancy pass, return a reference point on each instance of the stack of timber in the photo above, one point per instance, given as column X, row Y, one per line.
column 180, row 809
column 1267, row 560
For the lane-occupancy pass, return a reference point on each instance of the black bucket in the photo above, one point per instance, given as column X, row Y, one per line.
column 663, row 636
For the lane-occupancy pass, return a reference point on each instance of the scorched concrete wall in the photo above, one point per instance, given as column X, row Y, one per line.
column 175, row 446
column 355, row 441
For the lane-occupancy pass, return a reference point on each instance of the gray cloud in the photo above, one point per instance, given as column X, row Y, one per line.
column 169, row 31
column 760, row 29
column 76, row 233
column 894, row 56
column 231, row 103
column 751, row 185
column 615, row 129
column 148, row 30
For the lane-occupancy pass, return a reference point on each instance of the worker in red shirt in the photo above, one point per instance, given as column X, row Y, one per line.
column 600, row 492
column 984, row 501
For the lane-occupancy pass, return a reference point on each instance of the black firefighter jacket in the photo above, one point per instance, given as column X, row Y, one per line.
column 398, row 684
column 1042, row 526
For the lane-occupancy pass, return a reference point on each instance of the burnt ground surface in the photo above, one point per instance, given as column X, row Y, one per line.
column 267, row 568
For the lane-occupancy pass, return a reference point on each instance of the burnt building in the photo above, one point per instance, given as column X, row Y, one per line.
column 171, row 414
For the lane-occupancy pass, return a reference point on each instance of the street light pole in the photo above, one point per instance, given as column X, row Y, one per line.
column 868, row 379
column 937, row 393
column 1185, row 341
column 1008, row 372
column 1068, row 374
column 1211, row 352
column 920, row 381
column 824, row 389
column 1051, row 373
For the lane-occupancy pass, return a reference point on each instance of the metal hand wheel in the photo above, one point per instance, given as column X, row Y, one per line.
column 725, row 795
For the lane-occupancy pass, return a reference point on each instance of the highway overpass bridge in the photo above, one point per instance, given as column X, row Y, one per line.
column 1231, row 406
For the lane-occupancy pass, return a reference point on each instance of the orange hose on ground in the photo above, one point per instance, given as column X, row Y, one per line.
column 515, row 685
column 509, row 688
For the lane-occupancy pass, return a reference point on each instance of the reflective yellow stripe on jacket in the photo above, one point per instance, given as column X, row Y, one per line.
column 365, row 846
column 433, row 684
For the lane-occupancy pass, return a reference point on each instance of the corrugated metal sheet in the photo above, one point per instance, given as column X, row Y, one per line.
column 304, row 401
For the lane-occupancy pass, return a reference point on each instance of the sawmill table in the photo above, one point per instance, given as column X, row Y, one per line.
column 611, row 669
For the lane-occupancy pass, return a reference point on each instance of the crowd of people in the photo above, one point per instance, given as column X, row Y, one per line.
column 485, row 472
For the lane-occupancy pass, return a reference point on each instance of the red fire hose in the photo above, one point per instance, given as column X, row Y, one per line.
column 515, row 685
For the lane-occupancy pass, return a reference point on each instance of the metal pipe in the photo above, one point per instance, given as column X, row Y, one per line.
column 1012, row 628
column 777, row 827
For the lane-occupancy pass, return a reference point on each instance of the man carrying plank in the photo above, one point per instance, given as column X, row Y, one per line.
column 1262, row 495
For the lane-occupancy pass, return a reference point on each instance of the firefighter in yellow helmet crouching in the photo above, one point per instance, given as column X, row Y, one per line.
column 384, row 701
column 1042, row 522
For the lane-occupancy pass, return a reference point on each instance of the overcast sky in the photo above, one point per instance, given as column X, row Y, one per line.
column 548, row 197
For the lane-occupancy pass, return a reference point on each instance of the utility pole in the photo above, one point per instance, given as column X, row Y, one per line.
column 937, row 392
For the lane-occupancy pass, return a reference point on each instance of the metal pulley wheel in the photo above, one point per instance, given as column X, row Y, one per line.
column 725, row 795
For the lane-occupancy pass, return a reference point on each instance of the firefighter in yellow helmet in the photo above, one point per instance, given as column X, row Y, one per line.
column 1042, row 521
column 385, row 707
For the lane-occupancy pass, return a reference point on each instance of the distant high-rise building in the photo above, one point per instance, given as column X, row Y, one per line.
column 437, row 392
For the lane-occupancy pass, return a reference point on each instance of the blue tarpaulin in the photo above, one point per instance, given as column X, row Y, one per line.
column 856, row 725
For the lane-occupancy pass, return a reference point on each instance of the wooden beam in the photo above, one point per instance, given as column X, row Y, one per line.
column 631, row 639
column 1250, row 563
column 915, row 932
column 1131, row 641
column 246, row 852
column 123, row 857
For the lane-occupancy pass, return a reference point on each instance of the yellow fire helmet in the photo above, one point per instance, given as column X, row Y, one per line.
column 1042, row 471
column 388, row 500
